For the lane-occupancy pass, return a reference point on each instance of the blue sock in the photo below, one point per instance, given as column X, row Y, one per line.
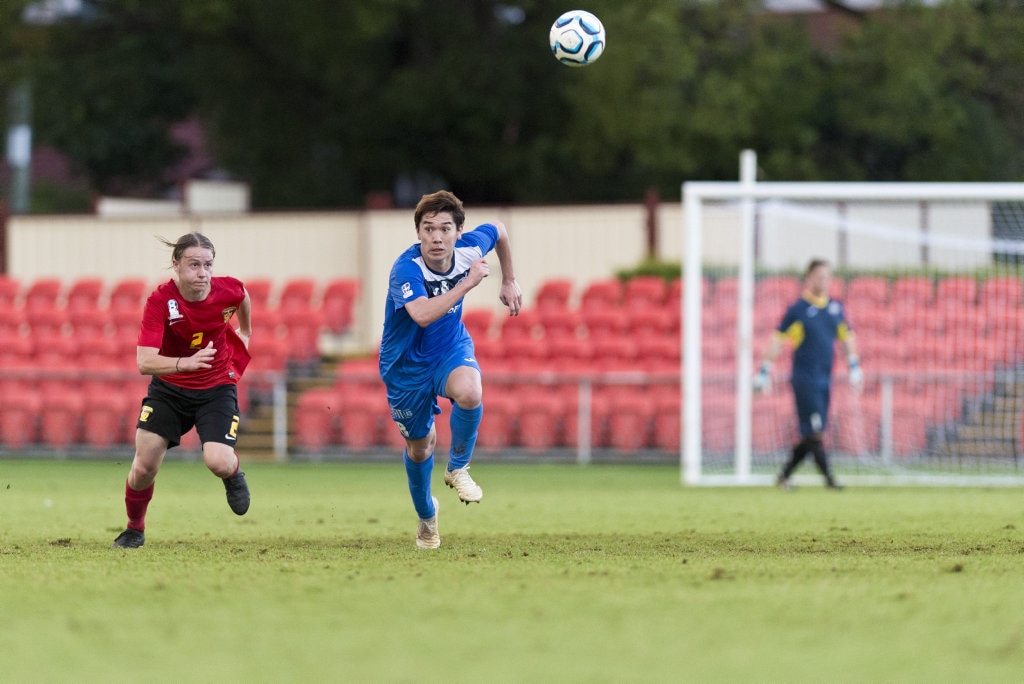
column 418, row 475
column 465, row 427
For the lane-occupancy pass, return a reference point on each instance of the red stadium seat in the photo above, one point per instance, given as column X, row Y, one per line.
column 478, row 322
column 60, row 420
column 631, row 419
column 562, row 349
column 957, row 290
column 771, row 423
column 259, row 290
column 604, row 322
column 302, row 333
column 104, row 417
column 12, row 321
column 718, row 422
column 614, row 354
column 667, row 427
column 913, row 290
column 339, row 303
column 659, row 353
column 46, row 319
column 128, row 294
column 498, row 427
column 541, row 420
column 554, row 294
column 560, row 322
column 88, row 319
column 364, row 417
column 522, row 327
column 776, row 292
column 10, row 292
column 296, row 294
column 15, row 347
column 1000, row 292
column 84, row 292
column 52, row 349
column 19, row 418
column 644, row 292
column 316, row 417
column 865, row 291
column 268, row 353
column 725, row 292
column 43, row 293
column 601, row 294
column 653, row 321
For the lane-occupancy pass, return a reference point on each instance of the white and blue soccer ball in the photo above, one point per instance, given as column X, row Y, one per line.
column 577, row 38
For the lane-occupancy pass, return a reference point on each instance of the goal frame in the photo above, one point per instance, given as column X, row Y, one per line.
column 747, row 191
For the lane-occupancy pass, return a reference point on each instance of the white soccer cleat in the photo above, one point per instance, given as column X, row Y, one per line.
column 459, row 480
column 426, row 532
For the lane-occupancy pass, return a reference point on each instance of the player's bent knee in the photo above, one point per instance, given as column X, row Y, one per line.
column 220, row 459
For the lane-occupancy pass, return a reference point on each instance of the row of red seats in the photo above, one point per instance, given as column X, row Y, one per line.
column 540, row 417
column 69, row 404
column 287, row 324
column 534, row 418
column 91, row 292
column 877, row 291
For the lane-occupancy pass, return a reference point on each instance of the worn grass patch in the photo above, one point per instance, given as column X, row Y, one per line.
column 563, row 573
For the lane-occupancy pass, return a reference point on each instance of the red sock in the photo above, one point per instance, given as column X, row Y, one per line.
column 136, row 502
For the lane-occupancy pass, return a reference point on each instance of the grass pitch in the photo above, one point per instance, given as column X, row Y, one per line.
column 563, row 573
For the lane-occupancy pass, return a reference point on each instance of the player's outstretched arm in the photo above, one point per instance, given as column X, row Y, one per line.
column 510, row 293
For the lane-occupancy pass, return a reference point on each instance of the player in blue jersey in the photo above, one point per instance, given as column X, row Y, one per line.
column 812, row 324
column 426, row 351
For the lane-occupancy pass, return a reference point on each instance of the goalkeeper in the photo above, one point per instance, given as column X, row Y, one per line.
column 812, row 324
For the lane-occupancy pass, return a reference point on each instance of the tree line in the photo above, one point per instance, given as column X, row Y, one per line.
column 319, row 103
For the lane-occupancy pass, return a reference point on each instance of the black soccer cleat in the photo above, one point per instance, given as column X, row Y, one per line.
column 129, row 539
column 237, row 493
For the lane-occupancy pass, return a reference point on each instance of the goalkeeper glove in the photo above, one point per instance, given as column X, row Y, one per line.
column 856, row 374
column 763, row 380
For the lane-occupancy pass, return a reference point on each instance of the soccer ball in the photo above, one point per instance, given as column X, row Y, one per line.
column 577, row 38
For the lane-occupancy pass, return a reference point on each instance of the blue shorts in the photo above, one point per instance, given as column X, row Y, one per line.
column 413, row 390
column 812, row 399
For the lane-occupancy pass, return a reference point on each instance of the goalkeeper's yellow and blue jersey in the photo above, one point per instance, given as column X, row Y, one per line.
column 813, row 324
column 404, row 342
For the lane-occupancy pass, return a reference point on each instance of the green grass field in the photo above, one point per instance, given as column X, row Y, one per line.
column 563, row 573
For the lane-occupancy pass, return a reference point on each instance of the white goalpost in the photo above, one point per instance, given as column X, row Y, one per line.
column 931, row 275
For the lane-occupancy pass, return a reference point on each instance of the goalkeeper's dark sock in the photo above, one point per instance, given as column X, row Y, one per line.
column 798, row 454
column 465, row 428
column 821, row 460
column 136, row 501
column 418, row 475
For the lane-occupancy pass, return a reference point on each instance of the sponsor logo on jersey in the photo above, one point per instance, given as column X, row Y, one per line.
column 173, row 313
column 229, row 312
column 406, row 290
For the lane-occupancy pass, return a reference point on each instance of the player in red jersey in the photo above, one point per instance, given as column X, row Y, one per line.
column 196, row 355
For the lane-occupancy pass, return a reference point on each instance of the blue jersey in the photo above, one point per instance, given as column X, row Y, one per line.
column 404, row 342
column 813, row 326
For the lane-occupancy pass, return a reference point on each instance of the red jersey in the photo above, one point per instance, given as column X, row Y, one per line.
column 180, row 328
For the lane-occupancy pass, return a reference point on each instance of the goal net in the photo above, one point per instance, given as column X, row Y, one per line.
column 931, row 279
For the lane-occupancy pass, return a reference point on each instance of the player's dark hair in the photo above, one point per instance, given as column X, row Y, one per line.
column 437, row 202
column 187, row 240
column 815, row 263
